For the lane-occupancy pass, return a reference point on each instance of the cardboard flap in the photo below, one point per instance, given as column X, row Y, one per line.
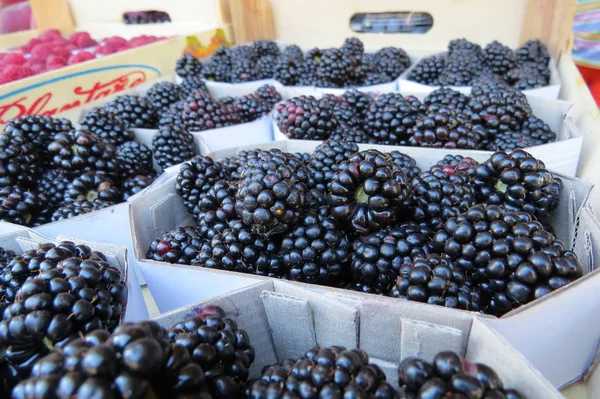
column 425, row 340
column 162, row 214
column 291, row 324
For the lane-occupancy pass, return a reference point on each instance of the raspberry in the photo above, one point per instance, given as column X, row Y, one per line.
column 55, row 62
column 26, row 48
column 61, row 52
column 13, row 59
column 117, row 41
column 82, row 40
column 81, row 57
column 50, row 35
column 142, row 41
column 41, row 51
column 36, row 67
column 10, row 73
column 62, row 42
column 106, row 49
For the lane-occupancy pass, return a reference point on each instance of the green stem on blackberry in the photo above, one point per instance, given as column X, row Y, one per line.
column 361, row 196
column 47, row 343
column 501, row 187
column 91, row 195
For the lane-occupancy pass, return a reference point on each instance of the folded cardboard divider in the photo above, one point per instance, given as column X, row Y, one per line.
column 284, row 321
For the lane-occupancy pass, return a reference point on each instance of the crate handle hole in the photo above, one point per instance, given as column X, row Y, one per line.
column 145, row 17
column 418, row 22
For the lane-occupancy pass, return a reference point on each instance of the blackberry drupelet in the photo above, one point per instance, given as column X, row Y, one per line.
column 509, row 256
column 517, row 181
column 37, row 130
column 269, row 93
column 302, row 156
column 107, row 126
column 325, row 160
column 533, row 51
column 202, row 112
column 378, row 257
column 444, row 127
column 18, row 205
column 191, row 85
column 450, row 376
column 134, row 159
column 427, row 71
column 498, row 57
column 436, row 280
column 265, row 48
column 181, row 245
column 53, row 185
column 407, row 164
column 354, row 47
column 251, row 107
column 93, row 187
column 135, row 184
column 316, row 251
column 359, row 101
column 332, row 372
column 447, row 97
column 161, row 95
column 304, row 118
column 392, row 61
column 368, row 192
column 134, row 111
column 20, row 162
column 196, row 178
column 187, row 65
column 390, row 119
column 172, row 145
column 76, row 208
column 335, row 68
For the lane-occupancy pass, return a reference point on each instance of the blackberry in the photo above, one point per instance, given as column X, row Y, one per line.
column 216, row 344
column 459, row 71
column 219, row 68
column 392, row 61
column 304, row 118
column 107, row 126
column 499, row 111
column 74, row 290
column 444, row 127
column 265, row 48
column 79, row 151
column 216, row 208
column 137, row 360
column 342, row 111
column 227, row 103
column 463, row 44
column 18, row 205
column 484, row 85
column 358, row 101
column 316, row 251
column 239, row 249
column 369, row 73
column 325, row 160
column 187, row 65
column 533, row 51
column 172, row 117
column 243, row 70
column 332, row 372
column 77, row 208
column 406, row 163
column 350, row 134
column 451, row 376
column 19, row 161
column 307, row 73
column 134, row 111
column 390, row 119
column 509, row 256
column 265, row 67
column 135, row 184
column 529, row 76
column 435, row 280
column 93, row 187
column 447, row 97
column 354, row 47
column 202, row 112
column 368, row 191
column 509, row 141
column 287, row 71
column 37, row 130
column 428, row 70
column 172, row 145
column 161, row 95
column 451, row 164
column 538, row 130
column 293, row 52
column 517, row 181
column 191, row 85
column 260, row 161
column 498, row 57
column 269, row 94
column 53, row 185
column 251, row 107
column 181, row 246
column 134, row 158
column 335, row 67
column 378, row 257
column 196, row 178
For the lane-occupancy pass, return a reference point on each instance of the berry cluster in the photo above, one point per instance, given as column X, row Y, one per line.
column 466, row 64
column 146, row 17
column 462, row 234
column 347, row 66
column 490, row 118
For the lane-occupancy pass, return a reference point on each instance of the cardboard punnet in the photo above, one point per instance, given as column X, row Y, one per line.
column 284, row 321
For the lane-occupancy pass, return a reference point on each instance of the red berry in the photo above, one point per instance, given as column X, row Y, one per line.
column 41, row 51
column 50, row 35
column 163, row 247
column 10, row 73
column 13, row 59
column 81, row 57
column 82, row 40
column 209, row 311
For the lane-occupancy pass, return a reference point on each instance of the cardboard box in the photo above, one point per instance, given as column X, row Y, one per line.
column 284, row 321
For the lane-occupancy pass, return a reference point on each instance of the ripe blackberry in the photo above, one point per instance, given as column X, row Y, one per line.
column 239, row 249
column 187, row 65
column 76, row 208
column 354, row 47
column 499, row 111
column 392, row 61
column 202, row 112
column 528, row 76
column 284, row 163
column 293, row 52
column 269, row 94
column 335, row 68
column 135, row 184
column 378, row 257
column 93, row 187
column 499, row 57
column 243, row 52
column 161, row 95
column 137, row 360
column 37, row 130
column 220, row 348
column 407, row 164
column 538, row 130
column 134, row 111
column 53, row 185
column 444, row 127
column 304, row 118
column 509, row 256
column 191, row 85
column 307, row 73
column 451, row 164
column 427, row 71
column 451, row 376
column 435, row 280
column 390, row 119
column 368, row 191
column 463, row 44
column 134, row 158
column 484, row 85
column 251, row 107
column 172, row 145
column 316, row 251
column 216, row 209
column 265, row 48
column 18, row 205
column 19, row 161
column 458, row 71
column 324, row 162
column 358, row 101
column 243, row 70
column 107, row 126
column 509, row 141
column 287, row 71
column 75, row 290
column 533, row 51
column 332, row 372
column 265, row 67
column 342, row 111
column 196, row 178
column 181, row 245
column 351, row 134
column 447, row 97
column 219, row 68
column 369, row 73
column 302, row 156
